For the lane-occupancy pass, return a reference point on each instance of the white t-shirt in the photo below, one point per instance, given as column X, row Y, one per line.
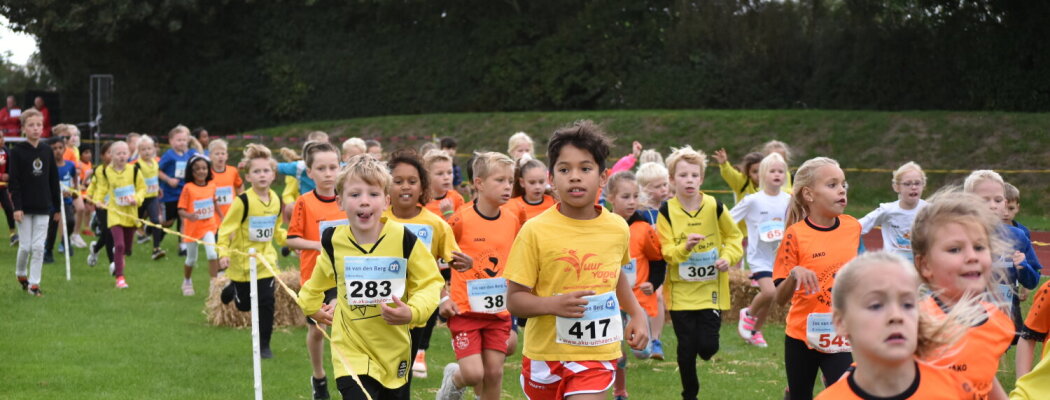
column 896, row 225
column 763, row 214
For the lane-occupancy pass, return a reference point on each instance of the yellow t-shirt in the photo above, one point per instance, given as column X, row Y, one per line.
column 555, row 254
column 148, row 170
column 291, row 190
column 370, row 345
column 697, row 285
column 117, row 190
column 257, row 230
column 438, row 238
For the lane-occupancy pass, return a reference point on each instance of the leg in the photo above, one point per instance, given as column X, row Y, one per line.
column 155, row 216
column 209, row 252
column 834, row 365
column 801, row 365
column 106, row 237
column 119, row 244
column 38, row 227
column 266, row 311
column 686, row 329
column 709, row 322
column 471, row 372
column 763, row 301
column 52, row 231
column 9, row 209
column 315, row 346
column 493, row 379
column 351, row 391
column 25, row 229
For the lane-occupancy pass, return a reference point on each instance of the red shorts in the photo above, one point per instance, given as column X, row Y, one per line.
column 472, row 334
column 555, row 380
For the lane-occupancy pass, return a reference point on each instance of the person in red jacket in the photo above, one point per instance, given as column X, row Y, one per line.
column 38, row 104
column 10, row 124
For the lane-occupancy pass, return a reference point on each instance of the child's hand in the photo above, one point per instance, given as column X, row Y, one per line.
column 1022, row 294
column 692, row 240
column 646, row 288
column 722, row 265
column 446, row 206
column 448, row 309
column 636, row 149
column 720, row 156
column 173, row 182
column 637, row 333
column 224, row 262
column 1018, row 259
column 398, row 315
column 569, row 305
column 806, row 279
column 324, row 315
column 18, row 216
column 57, row 217
column 461, row 261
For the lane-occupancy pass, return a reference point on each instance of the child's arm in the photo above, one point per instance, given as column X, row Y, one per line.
column 627, row 162
column 101, row 188
column 231, row 225
column 1025, row 356
column 140, row 187
column 636, row 332
column 524, row 304
column 298, row 243
column 873, row 219
column 674, row 254
column 741, row 209
column 735, row 179
column 732, row 249
column 296, row 227
column 1026, row 275
column 657, row 266
column 311, row 295
column 787, row 274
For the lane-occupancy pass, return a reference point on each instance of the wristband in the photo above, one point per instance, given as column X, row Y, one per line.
column 443, row 300
column 449, row 212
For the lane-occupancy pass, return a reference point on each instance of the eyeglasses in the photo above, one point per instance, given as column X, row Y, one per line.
column 911, row 183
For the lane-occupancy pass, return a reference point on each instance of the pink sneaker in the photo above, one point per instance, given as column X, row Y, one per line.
column 121, row 284
column 758, row 340
column 746, row 324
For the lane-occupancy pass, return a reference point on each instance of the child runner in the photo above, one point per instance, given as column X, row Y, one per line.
column 477, row 313
column 34, row 195
column 520, row 144
column 444, row 200
column 374, row 263
column 84, row 168
column 449, row 145
column 228, row 184
column 875, row 300
column 172, row 169
column 408, row 196
column 374, row 149
column 742, row 183
column 253, row 222
column 653, row 178
column 120, row 188
column 699, row 240
column 312, row 213
column 764, row 212
column 776, row 146
column 954, row 239
column 105, row 238
column 530, row 188
column 563, row 274
column 202, row 218
column 352, row 147
column 1010, row 210
column 896, row 218
column 622, row 194
column 67, row 182
column 818, row 241
column 151, row 206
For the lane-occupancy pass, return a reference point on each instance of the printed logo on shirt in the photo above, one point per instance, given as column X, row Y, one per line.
column 38, row 167
column 461, row 341
column 580, row 264
column 402, row 369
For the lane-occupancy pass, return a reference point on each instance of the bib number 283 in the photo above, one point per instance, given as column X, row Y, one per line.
column 373, row 280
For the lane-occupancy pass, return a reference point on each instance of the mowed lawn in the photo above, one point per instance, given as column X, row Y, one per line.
column 84, row 339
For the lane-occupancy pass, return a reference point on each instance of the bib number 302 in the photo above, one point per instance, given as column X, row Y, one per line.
column 601, row 323
column 373, row 280
column 700, row 267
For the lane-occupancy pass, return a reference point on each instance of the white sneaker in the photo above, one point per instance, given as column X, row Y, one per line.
column 92, row 256
column 78, row 241
column 448, row 390
column 112, row 268
column 187, row 289
column 746, row 324
column 419, row 366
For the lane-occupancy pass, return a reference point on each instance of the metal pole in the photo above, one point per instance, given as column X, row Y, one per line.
column 65, row 234
column 256, row 358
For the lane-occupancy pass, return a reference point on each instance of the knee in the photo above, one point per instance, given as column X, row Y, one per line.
column 36, row 247
column 472, row 376
column 494, row 375
column 708, row 350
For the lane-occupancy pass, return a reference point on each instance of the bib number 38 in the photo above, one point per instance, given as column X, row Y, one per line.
column 487, row 296
column 600, row 325
column 820, row 335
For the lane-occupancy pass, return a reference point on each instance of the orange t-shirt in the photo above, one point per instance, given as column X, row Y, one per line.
column 84, row 168
column 975, row 357
column 823, row 250
column 930, row 383
column 200, row 201
column 531, row 210
column 1037, row 323
column 486, row 240
column 226, row 184
column 310, row 216
column 435, row 203
column 645, row 247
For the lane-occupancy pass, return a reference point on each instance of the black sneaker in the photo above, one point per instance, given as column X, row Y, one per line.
column 24, row 282
column 227, row 294
column 285, row 251
column 320, row 388
column 35, row 291
column 265, row 352
column 49, row 258
column 141, row 239
column 14, row 240
column 158, row 253
column 182, row 252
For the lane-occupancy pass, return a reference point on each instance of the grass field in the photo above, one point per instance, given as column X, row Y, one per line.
column 87, row 340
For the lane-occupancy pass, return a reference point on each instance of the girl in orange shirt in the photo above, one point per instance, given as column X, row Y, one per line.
column 201, row 218
column 530, row 189
column 875, row 306
column 228, row 184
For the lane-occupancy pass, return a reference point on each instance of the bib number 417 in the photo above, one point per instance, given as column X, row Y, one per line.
column 590, row 329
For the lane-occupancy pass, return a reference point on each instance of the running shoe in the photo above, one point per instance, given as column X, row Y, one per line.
column 92, row 258
column 158, row 253
column 758, row 340
column 24, row 282
column 320, row 388
column 113, row 269
column 448, row 390
column 121, row 284
column 746, row 324
column 187, row 288
column 658, row 350
column 14, row 240
column 141, row 239
column 419, row 366
column 266, row 353
column 49, row 258
column 78, row 241
column 34, row 290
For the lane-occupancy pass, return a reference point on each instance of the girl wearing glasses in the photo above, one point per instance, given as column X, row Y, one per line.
column 896, row 218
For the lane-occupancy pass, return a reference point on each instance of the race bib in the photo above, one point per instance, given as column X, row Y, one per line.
column 152, row 185
column 820, row 335
column 67, row 184
column 204, row 209
column 321, row 226
column 1007, row 292
column 224, row 195
column 180, row 170
column 487, row 295
column 424, row 232
column 630, row 272
column 600, row 325
column 124, row 195
column 771, row 231
column 373, row 280
column 260, row 229
column 700, row 267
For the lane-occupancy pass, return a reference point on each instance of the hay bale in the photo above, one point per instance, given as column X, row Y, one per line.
column 741, row 293
column 286, row 311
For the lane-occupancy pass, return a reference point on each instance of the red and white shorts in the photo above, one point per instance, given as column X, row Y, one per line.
column 472, row 334
column 554, row 380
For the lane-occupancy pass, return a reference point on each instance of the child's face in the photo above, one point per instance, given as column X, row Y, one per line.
column 909, row 187
column 324, row 170
column 576, row 178
column 752, row 172
column 959, row 260
column 204, row 137
column 33, row 127
column 260, row 173
column 1012, row 208
column 534, row 181
column 85, row 156
column 179, row 141
column 827, row 196
column 687, row 179
column 625, row 200
column 59, row 149
column 451, row 151
column 496, row 187
column 219, row 157
column 133, row 142
column 363, row 204
column 658, row 191
column 200, row 172
column 880, row 316
column 407, row 186
column 147, row 151
column 376, row 152
column 993, row 195
column 775, row 176
column 118, row 154
column 441, row 177
column 74, row 138
column 520, row 150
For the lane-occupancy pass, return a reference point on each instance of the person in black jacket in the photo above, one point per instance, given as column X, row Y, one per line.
column 35, row 196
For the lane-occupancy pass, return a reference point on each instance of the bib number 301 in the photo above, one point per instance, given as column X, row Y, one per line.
column 820, row 335
column 373, row 280
column 600, row 325
column 487, row 296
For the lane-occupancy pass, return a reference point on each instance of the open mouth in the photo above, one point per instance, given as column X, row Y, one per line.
column 365, row 216
column 971, row 275
column 405, row 196
column 895, row 338
column 577, row 191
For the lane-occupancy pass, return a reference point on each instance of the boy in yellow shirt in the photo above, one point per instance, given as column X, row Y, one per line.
column 374, row 262
column 563, row 273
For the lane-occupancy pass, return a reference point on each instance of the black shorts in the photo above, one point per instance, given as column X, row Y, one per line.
column 761, row 274
column 329, row 295
column 171, row 210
